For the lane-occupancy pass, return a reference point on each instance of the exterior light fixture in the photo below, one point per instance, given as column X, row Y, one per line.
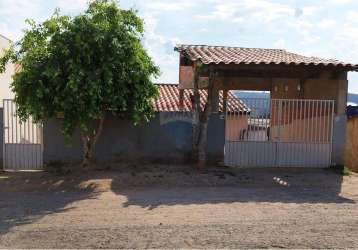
column 299, row 87
column 286, row 88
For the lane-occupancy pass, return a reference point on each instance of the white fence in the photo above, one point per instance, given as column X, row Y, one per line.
column 280, row 133
column 22, row 142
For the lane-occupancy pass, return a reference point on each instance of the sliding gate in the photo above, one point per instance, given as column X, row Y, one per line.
column 279, row 133
column 22, row 141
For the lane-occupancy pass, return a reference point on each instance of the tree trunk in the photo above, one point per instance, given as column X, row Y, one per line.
column 86, row 150
column 89, row 141
column 204, row 120
column 196, row 112
column 202, row 145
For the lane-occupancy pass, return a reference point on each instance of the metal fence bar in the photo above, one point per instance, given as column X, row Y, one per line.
column 280, row 132
column 331, row 135
column 8, row 128
column 325, row 119
column 3, row 138
column 297, row 109
column 291, row 135
column 29, row 151
column 316, row 131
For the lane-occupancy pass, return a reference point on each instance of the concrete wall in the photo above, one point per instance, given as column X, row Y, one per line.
column 340, row 124
column 167, row 138
column 339, row 139
column 351, row 159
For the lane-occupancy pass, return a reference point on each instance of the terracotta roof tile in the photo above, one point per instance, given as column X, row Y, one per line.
column 237, row 55
column 169, row 100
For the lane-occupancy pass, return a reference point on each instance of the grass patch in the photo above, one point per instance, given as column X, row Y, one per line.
column 346, row 171
column 342, row 170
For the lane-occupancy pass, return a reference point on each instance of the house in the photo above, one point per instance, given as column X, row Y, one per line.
column 302, row 124
column 307, row 121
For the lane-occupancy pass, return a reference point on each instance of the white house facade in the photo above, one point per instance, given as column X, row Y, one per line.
column 6, row 77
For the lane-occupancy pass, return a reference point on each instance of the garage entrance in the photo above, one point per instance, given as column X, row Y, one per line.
column 280, row 133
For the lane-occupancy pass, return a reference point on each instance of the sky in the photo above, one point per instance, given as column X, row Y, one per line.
column 324, row 28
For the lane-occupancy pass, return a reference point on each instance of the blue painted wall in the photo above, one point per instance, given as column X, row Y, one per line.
column 167, row 138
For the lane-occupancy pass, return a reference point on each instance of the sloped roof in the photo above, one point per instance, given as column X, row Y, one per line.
column 237, row 55
column 169, row 100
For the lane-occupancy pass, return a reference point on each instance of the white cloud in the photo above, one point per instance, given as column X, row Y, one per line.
column 352, row 16
column 72, row 5
column 11, row 8
column 13, row 14
column 309, row 39
column 306, row 11
column 161, row 49
column 167, row 5
column 327, row 24
column 306, row 31
column 260, row 10
column 339, row 2
column 301, row 25
column 327, row 28
column 204, row 30
column 280, row 43
column 346, row 41
column 309, row 10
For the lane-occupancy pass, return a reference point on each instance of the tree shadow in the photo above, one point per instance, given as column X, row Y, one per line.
column 27, row 197
column 312, row 186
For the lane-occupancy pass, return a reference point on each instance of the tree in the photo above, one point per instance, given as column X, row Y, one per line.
column 83, row 67
column 201, row 118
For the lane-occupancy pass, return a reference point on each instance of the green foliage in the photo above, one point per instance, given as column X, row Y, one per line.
column 341, row 170
column 8, row 55
column 83, row 66
column 346, row 171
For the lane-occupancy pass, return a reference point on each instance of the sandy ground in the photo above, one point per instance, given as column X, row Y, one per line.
column 179, row 208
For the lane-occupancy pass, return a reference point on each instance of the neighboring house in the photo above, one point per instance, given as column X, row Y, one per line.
column 5, row 92
column 5, row 78
column 20, row 143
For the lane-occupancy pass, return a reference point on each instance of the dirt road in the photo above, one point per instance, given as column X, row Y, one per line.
column 242, row 209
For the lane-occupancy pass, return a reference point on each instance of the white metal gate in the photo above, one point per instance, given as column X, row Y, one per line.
column 280, row 133
column 22, row 143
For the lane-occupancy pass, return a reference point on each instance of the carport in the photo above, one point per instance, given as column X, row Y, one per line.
column 302, row 124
